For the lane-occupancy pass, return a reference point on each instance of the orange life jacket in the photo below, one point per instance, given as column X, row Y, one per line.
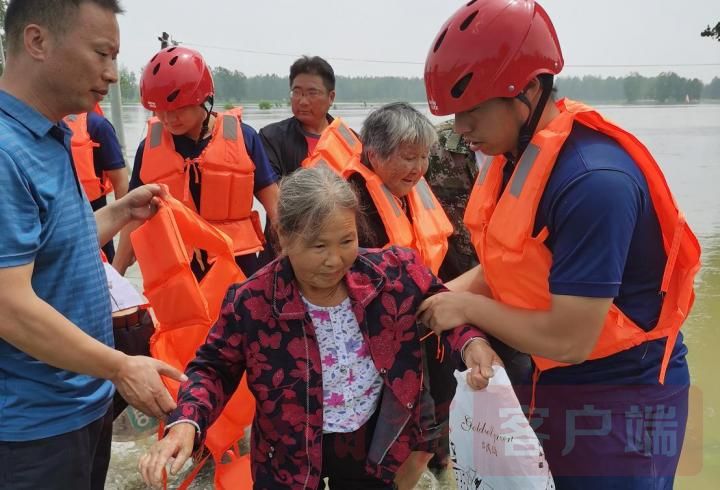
column 516, row 264
column 429, row 227
column 228, row 176
column 336, row 148
column 82, row 151
column 185, row 310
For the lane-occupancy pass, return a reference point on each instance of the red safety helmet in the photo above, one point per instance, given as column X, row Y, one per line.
column 175, row 77
column 488, row 49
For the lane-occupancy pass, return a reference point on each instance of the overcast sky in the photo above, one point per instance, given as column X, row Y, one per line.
column 399, row 32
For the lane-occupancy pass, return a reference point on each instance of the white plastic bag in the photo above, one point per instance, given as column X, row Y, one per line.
column 491, row 442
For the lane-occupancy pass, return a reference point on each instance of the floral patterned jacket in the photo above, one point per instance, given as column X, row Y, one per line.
column 264, row 331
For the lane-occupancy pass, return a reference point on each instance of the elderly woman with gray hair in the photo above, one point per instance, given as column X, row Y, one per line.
column 399, row 206
column 327, row 337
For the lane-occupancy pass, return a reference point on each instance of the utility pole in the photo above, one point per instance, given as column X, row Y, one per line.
column 116, row 111
column 2, row 53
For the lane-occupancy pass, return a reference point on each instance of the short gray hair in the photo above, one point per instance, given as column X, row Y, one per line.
column 307, row 197
column 393, row 125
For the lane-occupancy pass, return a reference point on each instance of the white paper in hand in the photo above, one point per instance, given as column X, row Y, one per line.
column 492, row 444
column 122, row 293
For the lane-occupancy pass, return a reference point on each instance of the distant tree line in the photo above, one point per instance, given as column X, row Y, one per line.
column 664, row 88
column 233, row 87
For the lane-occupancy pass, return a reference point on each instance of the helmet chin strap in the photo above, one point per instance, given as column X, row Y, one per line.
column 528, row 129
column 208, row 106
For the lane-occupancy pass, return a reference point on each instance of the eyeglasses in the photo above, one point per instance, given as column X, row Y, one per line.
column 311, row 94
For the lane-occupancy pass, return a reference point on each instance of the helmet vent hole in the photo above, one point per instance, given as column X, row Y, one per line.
column 459, row 88
column 173, row 61
column 468, row 20
column 439, row 41
column 470, row 3
column 172, row 49
column 156, row 69
column 173, row 95
column 153, row 58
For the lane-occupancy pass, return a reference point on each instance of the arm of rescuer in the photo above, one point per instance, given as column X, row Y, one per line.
column 268, row 197
column 592, row 231
column 460, row 341
column 265, row 186
column 124, row 256
column 119, row 180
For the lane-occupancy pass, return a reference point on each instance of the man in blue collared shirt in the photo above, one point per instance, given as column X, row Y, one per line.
column 57, row 364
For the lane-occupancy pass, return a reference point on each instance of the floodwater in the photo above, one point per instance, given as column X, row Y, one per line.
column 685, row 140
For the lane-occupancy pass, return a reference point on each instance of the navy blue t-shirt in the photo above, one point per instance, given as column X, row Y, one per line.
column 109, row 155
column 606, row 243
column 189, row 148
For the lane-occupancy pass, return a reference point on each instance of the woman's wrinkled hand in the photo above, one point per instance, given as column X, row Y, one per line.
column 176, row 446
column 480, row 359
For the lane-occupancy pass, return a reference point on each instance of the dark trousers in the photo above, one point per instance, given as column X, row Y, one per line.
column 78, row 460
column 442, row 385
column 344, row 457
column 619, row 437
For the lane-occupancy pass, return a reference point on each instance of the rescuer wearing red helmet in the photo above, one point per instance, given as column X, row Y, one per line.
column 213, row 162
column 586, row 263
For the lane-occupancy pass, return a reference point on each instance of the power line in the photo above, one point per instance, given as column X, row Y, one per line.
column 663, row 65
column 295, row 55
column 398, row 62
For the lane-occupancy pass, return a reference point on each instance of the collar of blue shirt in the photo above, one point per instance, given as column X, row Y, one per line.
column 29, row 117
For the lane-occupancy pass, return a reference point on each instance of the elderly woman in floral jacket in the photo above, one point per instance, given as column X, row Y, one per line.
column 328, row 339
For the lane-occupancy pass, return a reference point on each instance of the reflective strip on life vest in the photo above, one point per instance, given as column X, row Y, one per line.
column 526, row 163
column 347, row 136
column 230, row 127
column 487, row 163
column 337, row 147
column 423, row 190
column 156, row 131
column 392, row 200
